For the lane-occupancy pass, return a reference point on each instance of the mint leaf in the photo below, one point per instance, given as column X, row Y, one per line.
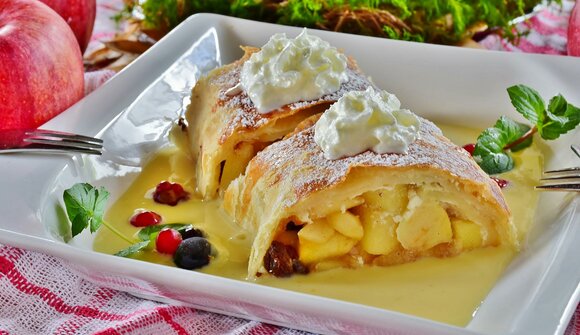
column 527, row 102
column 496, row 163
column 133, row 249
column 489, row 148
column 561, row 117
column 85, row 207
column 145, row 233
column 492, row 148
column 101, row 197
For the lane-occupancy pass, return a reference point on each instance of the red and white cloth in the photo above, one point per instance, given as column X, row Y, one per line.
column 41, row 294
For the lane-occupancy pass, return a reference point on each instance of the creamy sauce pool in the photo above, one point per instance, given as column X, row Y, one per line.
column 447, row 290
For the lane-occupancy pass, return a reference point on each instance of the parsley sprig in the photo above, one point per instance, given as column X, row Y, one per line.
column 493, row 147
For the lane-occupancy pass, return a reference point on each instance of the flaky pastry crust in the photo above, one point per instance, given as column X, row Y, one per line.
column 292, row 180
column 226, row 131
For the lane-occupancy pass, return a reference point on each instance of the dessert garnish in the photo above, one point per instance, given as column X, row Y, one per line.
column 492, row 149
column 85, row 207
column 190, row 231
column 502, row 183
column 169, row 193
column 145, row 218
column 366, row 120
column 148, row 238
column 289, row 70
column 192, row 253
column 469, row 148
column 167, row 241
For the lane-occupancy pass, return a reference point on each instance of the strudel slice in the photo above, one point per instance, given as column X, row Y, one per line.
column 310, row 213
column 226, row 130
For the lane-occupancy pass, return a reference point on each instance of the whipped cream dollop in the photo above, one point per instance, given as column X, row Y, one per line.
column 290, row 70
column 366, row 120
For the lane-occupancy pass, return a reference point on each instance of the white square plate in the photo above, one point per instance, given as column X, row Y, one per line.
column 132, row 112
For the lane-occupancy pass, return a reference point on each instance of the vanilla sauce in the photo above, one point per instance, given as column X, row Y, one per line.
column 447, row 290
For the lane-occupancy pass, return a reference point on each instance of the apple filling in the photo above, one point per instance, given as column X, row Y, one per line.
column 389, row 226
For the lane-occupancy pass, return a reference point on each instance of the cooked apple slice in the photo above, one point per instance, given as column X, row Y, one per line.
column 379, row 228
column 347, row 224
column 467, row 235
column 337, row 245
column 427, row 226
column 392, row 200
column 318, row 231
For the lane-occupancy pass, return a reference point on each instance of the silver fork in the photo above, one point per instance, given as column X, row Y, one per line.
column 567, row 180
column 48, row 141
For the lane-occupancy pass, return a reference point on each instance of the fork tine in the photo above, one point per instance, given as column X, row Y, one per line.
column 64, row 143
column 567, row 187
column 62, row 135
column 562, row 173
column 55, row 148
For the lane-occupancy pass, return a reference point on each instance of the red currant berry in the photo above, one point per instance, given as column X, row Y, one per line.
column 501, row 182
column 146, row 218
column 167, row 241
column 169, row 193
column 469, row 148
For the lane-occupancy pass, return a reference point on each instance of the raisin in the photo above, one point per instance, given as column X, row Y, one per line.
column 291, row 226
column 299, row 267
column 279, row 259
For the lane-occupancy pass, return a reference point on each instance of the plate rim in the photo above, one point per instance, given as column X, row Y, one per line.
column 200, row 20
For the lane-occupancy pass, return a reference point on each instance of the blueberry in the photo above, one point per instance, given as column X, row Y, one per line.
column 192, row 253
column 190, row 232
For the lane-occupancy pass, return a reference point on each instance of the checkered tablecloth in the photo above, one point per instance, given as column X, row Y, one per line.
column 41, row 294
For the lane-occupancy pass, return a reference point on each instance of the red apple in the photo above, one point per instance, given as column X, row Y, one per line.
column 41, row 67
column 574, row 31
column 80, row 16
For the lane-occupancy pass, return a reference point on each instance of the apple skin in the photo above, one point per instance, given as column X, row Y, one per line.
column 80, row 16
column 41, row 67
column 574, row 31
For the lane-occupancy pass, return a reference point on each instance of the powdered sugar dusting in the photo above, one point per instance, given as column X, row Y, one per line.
column 301, row 160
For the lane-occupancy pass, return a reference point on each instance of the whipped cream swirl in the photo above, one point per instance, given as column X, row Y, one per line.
column 366, row 120
column 290, row 70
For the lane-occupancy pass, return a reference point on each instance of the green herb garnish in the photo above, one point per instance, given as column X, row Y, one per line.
column 133, row 248
column 148, row 234
column 85, row 207
column 493, row 147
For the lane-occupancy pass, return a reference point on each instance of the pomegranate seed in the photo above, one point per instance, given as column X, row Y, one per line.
column 500, row 182
column 167, row 241
column 169, row 193
column 469, row 148
column 146, row 218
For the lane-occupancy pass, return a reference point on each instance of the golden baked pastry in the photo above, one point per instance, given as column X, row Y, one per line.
column 226, row 130
column 309, row 213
